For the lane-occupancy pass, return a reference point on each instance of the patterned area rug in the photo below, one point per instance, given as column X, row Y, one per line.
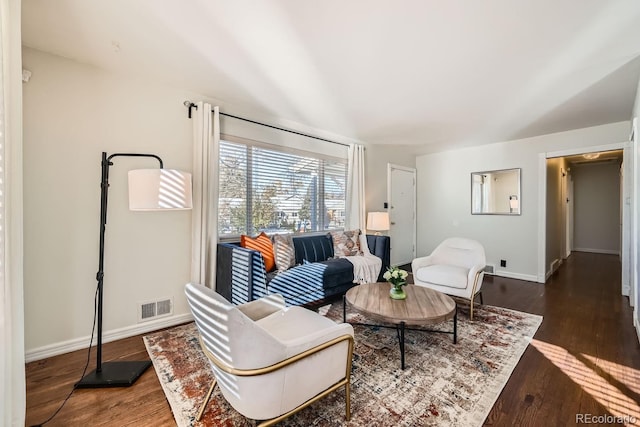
column 444, row 384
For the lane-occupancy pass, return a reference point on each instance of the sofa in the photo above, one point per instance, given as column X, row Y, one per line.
column 241, row 275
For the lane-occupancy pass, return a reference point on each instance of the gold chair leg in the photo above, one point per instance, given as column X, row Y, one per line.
column 473, row 294
column 206, row 400
column 347, row 389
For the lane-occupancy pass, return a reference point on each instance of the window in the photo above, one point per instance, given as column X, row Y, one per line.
column 273, row 189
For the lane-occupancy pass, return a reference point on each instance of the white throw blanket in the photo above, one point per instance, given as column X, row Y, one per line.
column 366, row 268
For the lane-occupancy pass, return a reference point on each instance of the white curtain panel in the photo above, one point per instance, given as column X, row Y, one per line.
column 355, row 189
column 12, row 376
column 206, row 142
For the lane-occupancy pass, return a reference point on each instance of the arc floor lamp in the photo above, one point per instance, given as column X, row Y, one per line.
column 149, row 190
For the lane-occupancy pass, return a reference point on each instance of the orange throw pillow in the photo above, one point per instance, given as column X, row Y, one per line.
column 262, row 244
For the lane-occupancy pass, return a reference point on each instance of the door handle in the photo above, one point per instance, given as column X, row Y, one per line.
column 393, row 223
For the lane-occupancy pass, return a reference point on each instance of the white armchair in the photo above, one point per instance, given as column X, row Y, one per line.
column 270, row 361
column 455, row 267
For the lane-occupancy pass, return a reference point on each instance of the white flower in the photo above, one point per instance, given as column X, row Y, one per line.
column 395, row 276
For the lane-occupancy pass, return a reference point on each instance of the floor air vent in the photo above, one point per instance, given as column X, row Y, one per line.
column 152, row 309
column 489, row 269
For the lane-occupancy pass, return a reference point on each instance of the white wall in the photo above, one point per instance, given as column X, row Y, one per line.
column 72, row 113
column 597, row 207
column 376, row 158
column 251, row 131
column 444, row 200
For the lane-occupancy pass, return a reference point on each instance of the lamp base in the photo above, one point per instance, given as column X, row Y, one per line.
column 114, row 374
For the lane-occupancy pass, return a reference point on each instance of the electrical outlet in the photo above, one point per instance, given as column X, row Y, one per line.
column 503, row 263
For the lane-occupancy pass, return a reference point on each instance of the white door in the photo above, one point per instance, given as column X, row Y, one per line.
column 401, row 193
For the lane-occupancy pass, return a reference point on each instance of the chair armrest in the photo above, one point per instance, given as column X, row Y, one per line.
column 256, row 310
column 240, row 273
column 302, row 344
column 471, row 278
column 473, row 271
column 288, row 361
column 421, row 262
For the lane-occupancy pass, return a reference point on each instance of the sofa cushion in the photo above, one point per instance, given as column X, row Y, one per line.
column 261, row 243
column 444, row 275
column 313, row 248
column 311, row 280
column 283, row 251
column 346, row 243
column 299, row 284
column 336, row 272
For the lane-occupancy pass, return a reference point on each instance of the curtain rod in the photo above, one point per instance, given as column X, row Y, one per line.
column 191, row 105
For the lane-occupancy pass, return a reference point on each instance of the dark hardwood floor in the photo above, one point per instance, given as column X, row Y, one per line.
column 585, row 359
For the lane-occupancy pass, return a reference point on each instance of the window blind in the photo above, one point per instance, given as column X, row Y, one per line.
column 272, row 189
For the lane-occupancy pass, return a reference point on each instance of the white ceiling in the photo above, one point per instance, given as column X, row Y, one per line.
column 429, row 72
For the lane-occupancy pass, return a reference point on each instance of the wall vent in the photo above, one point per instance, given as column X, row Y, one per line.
column 151, row 309
column 147, row 310
column 163, row 307
column 490, row 269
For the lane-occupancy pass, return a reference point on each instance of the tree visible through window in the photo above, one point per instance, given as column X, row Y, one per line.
column 269, row 190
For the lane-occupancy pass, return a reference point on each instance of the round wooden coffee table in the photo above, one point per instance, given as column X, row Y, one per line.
column 422, row 307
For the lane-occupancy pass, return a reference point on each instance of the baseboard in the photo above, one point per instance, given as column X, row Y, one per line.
column 401, row 263
column 108, row 336
column 555, row 265
column 598, row 251
column 548, row 274
column 626, row 290
column 519, row 276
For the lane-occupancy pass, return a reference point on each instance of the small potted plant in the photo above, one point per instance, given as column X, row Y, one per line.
column 397, row 278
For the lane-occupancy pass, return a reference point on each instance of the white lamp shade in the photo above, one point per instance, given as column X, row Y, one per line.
column 378, row 221
column 159, row 189
column 513, row 202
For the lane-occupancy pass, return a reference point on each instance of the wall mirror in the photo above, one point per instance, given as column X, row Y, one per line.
column 496, row 192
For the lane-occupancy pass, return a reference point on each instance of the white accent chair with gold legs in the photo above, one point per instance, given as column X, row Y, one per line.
column 270, row 361
column 455, row 267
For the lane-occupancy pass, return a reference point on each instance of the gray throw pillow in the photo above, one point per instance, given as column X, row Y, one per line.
column 283, row 251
